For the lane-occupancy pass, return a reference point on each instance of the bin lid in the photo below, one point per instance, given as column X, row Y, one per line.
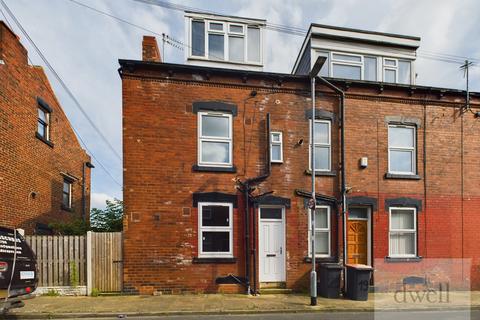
column 331, row 266
column 359, row 266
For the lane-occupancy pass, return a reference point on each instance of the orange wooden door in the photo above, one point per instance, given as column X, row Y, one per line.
column 357, row 240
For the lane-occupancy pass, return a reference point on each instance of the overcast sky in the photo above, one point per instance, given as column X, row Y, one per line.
column 84, row 47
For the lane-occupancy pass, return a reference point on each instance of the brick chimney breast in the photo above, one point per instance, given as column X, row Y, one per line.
column 150, row 50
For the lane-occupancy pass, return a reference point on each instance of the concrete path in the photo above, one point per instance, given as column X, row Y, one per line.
column 71, row 307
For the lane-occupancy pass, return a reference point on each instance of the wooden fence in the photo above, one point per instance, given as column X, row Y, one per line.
column 61, row 260
column 93, row 260
column 107, row 261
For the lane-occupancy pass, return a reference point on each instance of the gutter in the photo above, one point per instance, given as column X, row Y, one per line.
column 342, row 170
column 246, row 189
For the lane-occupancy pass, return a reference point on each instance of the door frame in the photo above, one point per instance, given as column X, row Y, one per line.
column 369, row 229
column 284, row 279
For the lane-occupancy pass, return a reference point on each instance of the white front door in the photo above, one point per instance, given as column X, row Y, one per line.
column 271, row 229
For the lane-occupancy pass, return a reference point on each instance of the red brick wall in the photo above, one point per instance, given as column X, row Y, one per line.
column 27, row 164
column 160, row 147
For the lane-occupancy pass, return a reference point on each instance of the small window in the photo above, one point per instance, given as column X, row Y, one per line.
column 276, row 147
column 215, row 230
column 390, row 62
column 322, row 231
column 67, row 194
column 271, row 213
column 215, row 139
column 322, row 144
column 403, row 232
column 235, row 28
column 198, row 38
column 401, row 149
column 43, row 126
column 358, row 213
column 214, row 26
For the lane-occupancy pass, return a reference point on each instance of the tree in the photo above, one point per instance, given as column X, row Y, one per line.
column 108, row 220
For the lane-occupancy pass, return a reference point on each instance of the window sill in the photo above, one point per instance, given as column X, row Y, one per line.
column 402, row 176
column 197, row 260
column 198, row 168
column 322, row 173
column 403, row 259
column 67, row 208
column 47, row 142
column 200, row 58
column 320, row 259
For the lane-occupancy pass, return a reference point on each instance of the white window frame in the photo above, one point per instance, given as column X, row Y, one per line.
column 201, row 229
column 201, row 138
column 226, row 32
column 276, row 143
column 329, row 144
column 323, row 230
column 347, row 62
column 395, row 231
column 412, row 150
column 393, row 68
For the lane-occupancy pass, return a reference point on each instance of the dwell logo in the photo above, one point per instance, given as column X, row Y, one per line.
column 422, row 289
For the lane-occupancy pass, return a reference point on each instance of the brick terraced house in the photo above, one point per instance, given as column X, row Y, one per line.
column 44, row 172
column 217, row 172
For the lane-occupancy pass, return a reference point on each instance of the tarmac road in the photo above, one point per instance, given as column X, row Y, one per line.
column 421, row 315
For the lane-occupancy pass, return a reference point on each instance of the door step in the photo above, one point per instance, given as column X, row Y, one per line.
column 275, row 291
column 273, row 285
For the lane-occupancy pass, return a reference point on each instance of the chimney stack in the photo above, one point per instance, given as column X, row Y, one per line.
column 150, row 50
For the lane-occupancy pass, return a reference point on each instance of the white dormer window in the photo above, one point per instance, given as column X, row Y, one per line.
column 238, row 42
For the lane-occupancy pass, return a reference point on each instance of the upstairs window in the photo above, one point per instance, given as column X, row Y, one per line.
column 43, row 124
column 401, row 149
column 396, row 71
column 346, row 66
column 215, row 230
column 276, row 147
column 322, row 144
column 215, row 139
column 67, row 194
column 225, row 41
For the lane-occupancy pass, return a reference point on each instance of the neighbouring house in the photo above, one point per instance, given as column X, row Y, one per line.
column 217, row 171
column 44, row 172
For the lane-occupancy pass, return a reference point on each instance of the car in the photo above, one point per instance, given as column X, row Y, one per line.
column 18, row 270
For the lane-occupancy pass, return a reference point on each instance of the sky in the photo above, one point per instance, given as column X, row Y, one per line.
column 84, row 46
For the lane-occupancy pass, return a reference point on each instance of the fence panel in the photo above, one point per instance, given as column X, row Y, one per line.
column 60, row 259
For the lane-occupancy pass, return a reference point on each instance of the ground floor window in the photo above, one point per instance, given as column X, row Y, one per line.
column 322, row 232
column 403, row 232
column 215, row 232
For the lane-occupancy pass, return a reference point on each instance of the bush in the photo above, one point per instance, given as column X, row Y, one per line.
column 95, row 292
column 51, row 293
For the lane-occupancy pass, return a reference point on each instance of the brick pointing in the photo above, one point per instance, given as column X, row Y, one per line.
column 160, row 147
column 30, row 170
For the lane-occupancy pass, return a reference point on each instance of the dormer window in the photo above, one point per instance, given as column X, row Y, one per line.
column 225, row 40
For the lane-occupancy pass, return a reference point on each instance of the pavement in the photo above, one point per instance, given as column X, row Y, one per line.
column 215, row 304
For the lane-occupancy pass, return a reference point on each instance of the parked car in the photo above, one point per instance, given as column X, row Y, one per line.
column 18, row 270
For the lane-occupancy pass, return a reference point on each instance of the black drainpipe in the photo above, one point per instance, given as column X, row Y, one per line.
column 342, row 169
column 247, row 188
column 86, row 165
